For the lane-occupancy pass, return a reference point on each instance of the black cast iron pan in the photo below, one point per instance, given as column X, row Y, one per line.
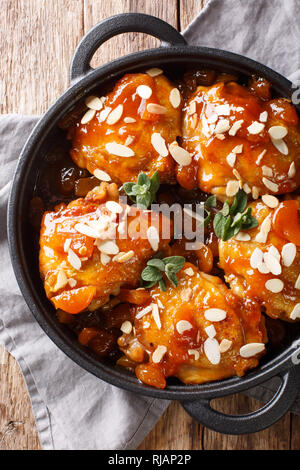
column 174, row 56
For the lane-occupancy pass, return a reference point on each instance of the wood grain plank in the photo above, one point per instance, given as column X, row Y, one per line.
column 175, row 430
column 188, row 10
column 295, row 432
column 36, row 49
column 277, row 437
column 97, row 10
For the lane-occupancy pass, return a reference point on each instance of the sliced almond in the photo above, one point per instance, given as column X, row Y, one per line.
column 72, row 282
column 155, row 314
column 180, row 155
column 256, row 258
column 189, row 271
column 104, row 113
column 101, row 175
column 278, row 132
column 212, row 351
column 215, row 314
column 114, row 207
column 297, row 283
column 295, row 312
column 242, row 237
column 124, row 257
column 260, row 157
column 222, row 126
column 129, row 120
column 255, row 192
column 255, row 128
column 270, row 201
column 246, row 188
column 274, row 285
column 183, row 325
column 236, row 174
column 129, row 140
column 267, row 171
column 74, row 260
column 175, row 97
column 61, row 280
column 153, row 237
column 232, row 188
column 231, row 158
column 154, row 72
column 281, row 146
column 192, row 109
column 210, row 331
column 115, row 115
column 251, row 349
column 93, row 102
column 220, row 136
column 88, row 116
column 67, row 245
column 272, row 264
column 270, row 185
column 105, row 259
column 195, row 353
column 212, row 118
column 273, row 250
column 126, row 327
column 288, row 254
column 225, row 345
column 235, row 127
column 263, row 233
column 143, row 312
column 154, row 108
column 159, row 144
column 263, row 116
column 119, row 150
column 144, row 91
column 222, row 110
column 292, row 170
column 86, row 230
column 108, row 247
column 158, row 354
column 238, row 149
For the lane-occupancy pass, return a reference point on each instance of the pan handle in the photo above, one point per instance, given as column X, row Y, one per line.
column 110, row 27
column 252, row 422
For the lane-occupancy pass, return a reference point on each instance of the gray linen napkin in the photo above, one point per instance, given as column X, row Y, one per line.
column 73, row 409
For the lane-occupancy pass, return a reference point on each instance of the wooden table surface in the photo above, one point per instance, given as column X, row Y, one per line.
column 36, row 45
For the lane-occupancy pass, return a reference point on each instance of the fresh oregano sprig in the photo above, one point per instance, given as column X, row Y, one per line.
column 143, row 192
column 231, row 219
column 158, row 267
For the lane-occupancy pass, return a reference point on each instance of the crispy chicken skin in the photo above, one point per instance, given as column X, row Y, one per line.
column 89, row 141
column 77, row 268
column 190, row 355
column 240, row 147
column 274, row 284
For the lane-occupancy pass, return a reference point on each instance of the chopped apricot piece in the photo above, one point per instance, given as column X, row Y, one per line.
column 75, row 300
column 286, row 222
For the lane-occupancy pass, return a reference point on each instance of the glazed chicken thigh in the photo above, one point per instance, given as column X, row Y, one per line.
column 88, row 249
column 198, row 332
column 131, row 130
column 237, row 140
column 264, row 263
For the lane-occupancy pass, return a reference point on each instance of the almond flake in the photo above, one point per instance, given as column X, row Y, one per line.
column 114, row 207
column 88, row 116
column 143, row 312
column 297, row 283
column 263, row 116
column 195, row 353
column 220, row 136
column 255, row 128
column 232, row 188
column 263, row 233
column 225, row 345
column 231, row 158
column 260, row 157
column 236, row 174
column 158, row 354
column 154, row 108
column 212, row 118
column 122, row 257
column 192, row 109
column 215, row 314
column 108, row 247
column 129, row 120
column 86, row 230
column 222, row 126
column 189, row 271
column 210, row 331
column 153, row 237
column 272, row 264
column 270, row 185
column 183, row 325
column 61, row 280
column 295, row 312
column 144, row 91
column 126, row 327
column 105, row 259
column 212, row 351
column 222, row 110
column 267, row 171
column 180, row 155
column 278, row 132
column 274, row 285
column 251, row 349
column 119, row 150
column 270, row 201
column 288, row 254
column 72, row 282
column 281, row 146
column 255, row 192
column 159, row 144
column 129, row 140
column 67, row 244
column 246, row 188
column 93, row 102
column 74, row 260
column 273, row 250
column 256, row 258
column 101, row 175
column 115, row 115
column 155, row 314
column 159, row 303
column 104, row 113
column 175, row 97
column 235, row 127
column 154, row 72
column 292, row 170
column 238, row 149
column 242, row 237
